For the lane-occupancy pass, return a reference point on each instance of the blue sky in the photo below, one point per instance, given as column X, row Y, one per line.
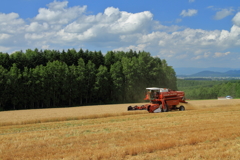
column 187, row 33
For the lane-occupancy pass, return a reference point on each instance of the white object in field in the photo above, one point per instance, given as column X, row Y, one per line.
column 229, row 97
column 157, row 110
column 224, row 98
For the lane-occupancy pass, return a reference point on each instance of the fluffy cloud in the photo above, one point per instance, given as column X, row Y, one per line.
column 223, row 13
column 36, row 27
column 10, row 19
column 178, row 20
column 110, row 27
column 195, row 44
column 218, row 54
column 188, row 13
column 112, row 21
column 10, row 23
column 57, row 5
column 4, row 36
column 58, row 13
column 236, row 19
column 58, row 26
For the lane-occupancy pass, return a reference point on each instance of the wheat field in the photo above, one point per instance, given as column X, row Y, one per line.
column 208, row 129
column 56, row 114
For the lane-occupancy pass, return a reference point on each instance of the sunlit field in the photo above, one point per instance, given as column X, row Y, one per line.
column 208, row 129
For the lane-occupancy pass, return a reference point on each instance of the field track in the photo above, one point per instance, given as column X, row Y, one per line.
column 25, row 116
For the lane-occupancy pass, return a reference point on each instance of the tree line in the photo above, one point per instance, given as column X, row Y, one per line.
column 52, row 78
column 198, row 89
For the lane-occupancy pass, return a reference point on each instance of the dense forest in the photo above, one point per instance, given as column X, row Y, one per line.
column 208, row 89
column 51, row 78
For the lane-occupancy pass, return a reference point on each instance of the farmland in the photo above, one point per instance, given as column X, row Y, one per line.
column 208, row 129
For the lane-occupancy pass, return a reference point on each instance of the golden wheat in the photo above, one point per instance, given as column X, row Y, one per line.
column 206, row 130
column 97, row 111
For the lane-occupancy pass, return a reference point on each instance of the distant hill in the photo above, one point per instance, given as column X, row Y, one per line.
column 233, row 73
column 193, row 70
column 230, row 73
column 207, row 74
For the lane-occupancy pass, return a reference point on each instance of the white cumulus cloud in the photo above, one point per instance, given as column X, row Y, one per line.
column 58, row 13
column 4, row 36
column 223, row 13
column 36, row 27
column 111, row 26
column 10, row 23
column 178, row 20
column 236, row 19
column 218, row 54
column 58, row 26
column 188, row 13
column 57, row 5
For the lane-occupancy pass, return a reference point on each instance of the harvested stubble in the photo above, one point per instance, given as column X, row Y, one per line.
column 209, row 133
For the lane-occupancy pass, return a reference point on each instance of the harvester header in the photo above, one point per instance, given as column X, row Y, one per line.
column 162, row 100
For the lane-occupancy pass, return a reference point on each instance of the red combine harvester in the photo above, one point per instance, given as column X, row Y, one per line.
column 162, row 100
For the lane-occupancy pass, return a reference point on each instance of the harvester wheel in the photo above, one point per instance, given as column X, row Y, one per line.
column 148, row 107
column 135, row 107
column 165, row 109
column 130, row 108
column 181, row 108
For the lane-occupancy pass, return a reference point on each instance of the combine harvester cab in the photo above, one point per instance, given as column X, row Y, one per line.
column 162, row 100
